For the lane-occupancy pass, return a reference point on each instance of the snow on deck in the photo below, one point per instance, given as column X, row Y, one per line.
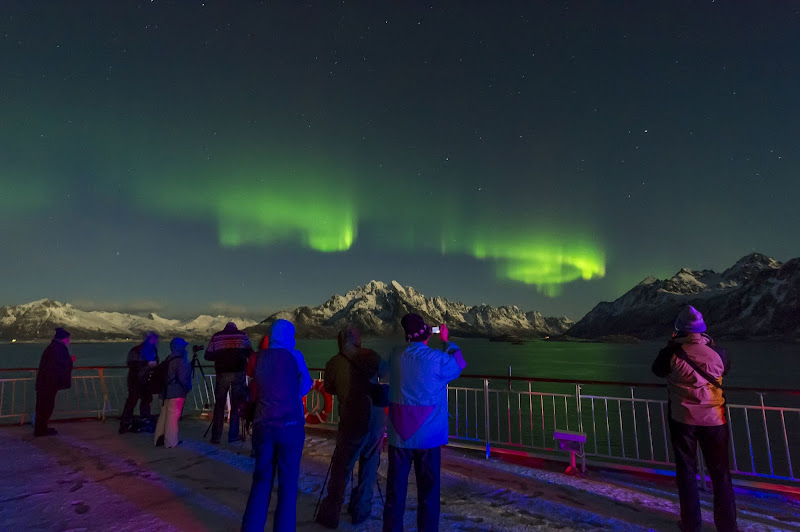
column 90, row 478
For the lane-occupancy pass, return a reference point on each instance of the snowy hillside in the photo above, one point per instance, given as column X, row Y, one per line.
column 376, row 308
column 756, row 297
column 36, row 321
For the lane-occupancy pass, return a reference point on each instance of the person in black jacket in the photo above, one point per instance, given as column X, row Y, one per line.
column 352, row 375
column 229, row 349
column 142, row 358
column 55, row 373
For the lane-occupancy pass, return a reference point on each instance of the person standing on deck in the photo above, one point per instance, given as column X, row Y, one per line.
column 178, row 386
column 142, row 358
column 55, row 373
column 229, row 349
column 281, row 380
column 418, row 421
column 352, row 376
column 694, row 366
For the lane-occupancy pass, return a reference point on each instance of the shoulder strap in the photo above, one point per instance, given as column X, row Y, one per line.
column 680, row 353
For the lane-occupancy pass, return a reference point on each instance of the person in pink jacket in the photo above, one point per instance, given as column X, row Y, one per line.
column 694, row 366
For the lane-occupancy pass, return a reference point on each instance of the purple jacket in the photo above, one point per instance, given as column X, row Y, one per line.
column 418, row 377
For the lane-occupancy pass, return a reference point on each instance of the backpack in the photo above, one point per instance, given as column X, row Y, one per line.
column 158, row 379
column 134, row 356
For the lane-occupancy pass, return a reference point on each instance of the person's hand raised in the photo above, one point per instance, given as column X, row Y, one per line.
column 443, row 333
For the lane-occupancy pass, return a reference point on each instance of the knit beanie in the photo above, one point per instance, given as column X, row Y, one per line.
column 61, row 333
column 415, row 328
column 690, row 320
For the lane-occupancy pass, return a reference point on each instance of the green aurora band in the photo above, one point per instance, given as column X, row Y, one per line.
column 321, row 213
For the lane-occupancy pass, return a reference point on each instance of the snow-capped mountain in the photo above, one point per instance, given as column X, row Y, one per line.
column 758, row 297
column 38, row 319
column 376, row 309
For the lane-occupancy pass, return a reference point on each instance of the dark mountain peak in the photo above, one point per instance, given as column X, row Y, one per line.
column 749, row 266
column 757, row 294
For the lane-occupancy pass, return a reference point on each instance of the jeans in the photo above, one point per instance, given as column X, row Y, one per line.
column 136, row 393
column 45, row 404
column 361, row 448
column 167, row 425
column 714, row 444
column 235, row 382
column 277, row 449
column 427, row 468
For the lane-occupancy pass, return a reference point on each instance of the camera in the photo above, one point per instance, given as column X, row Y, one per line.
column 435, row 330
column 196, row 348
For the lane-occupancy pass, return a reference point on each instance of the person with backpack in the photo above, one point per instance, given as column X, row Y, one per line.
column 142, row 358
column 54, row 374
column 694, row 366
column 352, row 376
column 229, row 349
column 281, row 380
column 172, row 379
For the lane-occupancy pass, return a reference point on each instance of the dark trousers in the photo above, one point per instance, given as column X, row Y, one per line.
column 278, row 450
column 45, row 404
column 136, row 394
column 235, row 382
column 427, row 467
column 352, row 448
column 714, row 444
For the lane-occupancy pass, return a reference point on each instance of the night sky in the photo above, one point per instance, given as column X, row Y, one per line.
column 187, row 157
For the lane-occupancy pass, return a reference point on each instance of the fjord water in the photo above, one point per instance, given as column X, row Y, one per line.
column 754, row 364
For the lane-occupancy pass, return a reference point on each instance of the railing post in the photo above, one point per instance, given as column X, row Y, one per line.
column 766, row 433
column 486, row 417
column 106, row 405
column 580, row 412
column 635, row 427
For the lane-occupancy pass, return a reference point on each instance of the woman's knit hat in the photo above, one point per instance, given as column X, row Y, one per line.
column 415, row 328
column 690, row 320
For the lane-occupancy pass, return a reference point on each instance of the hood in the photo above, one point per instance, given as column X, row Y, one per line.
column 282, row 335
column 350, row 342
column 349, row 336
column 230, row 328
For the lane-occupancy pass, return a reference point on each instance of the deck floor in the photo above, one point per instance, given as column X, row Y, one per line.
column 91, row 478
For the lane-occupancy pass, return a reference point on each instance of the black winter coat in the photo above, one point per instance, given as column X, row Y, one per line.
column 55, row 368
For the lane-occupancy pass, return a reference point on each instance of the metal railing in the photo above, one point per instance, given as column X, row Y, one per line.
column 625, row 423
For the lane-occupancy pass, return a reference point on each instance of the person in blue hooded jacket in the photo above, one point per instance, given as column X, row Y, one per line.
column 418, row 421
column 281, row 380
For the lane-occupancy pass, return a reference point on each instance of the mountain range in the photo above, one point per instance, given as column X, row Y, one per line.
column 376, row 309
column 756, row 298
column 38, row 319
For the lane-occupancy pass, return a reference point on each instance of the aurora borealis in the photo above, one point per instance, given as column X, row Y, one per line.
column 188, row 157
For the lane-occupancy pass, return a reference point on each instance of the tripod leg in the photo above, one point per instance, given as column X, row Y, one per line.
column 322, row 489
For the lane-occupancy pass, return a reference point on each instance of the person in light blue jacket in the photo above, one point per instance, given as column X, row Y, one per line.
column 418, row 421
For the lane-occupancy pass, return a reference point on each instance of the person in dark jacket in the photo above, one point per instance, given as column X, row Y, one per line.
column 694, row 366
column 281, row 378
column 179, row 384
column 142, row 358
column 418, row 421
column 55, row 373
column 352, row 376
column 229, row 349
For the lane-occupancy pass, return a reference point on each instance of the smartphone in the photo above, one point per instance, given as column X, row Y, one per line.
column 435, row 330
